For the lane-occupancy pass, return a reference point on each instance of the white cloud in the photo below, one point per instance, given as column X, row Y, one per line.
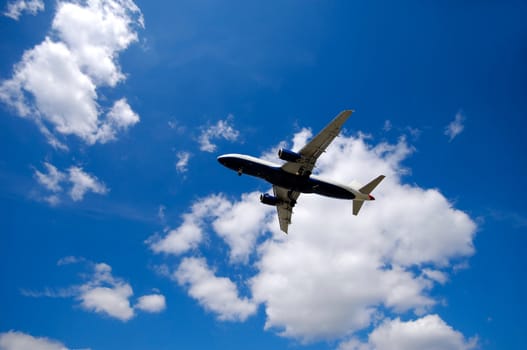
column 106, row 294
column 83, row 182
column 111, row 301
column 190, row 233
column 119, row 118
column 151, row 303
column 13, row 340
column 102, row 292
column 240, row 224
column 343, row 269
column 52, row 179
column 55, row 82
column 182, row 161
column 221, row 130
column 455, row 127
column 217, row 294
column 16, row 8
column 435, row 275
column 429, row 332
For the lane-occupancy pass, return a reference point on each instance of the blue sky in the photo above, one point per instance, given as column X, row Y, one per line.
column 119, row 229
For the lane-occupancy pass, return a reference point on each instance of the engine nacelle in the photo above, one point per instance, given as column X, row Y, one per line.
column 288, row 155
column 266, row 198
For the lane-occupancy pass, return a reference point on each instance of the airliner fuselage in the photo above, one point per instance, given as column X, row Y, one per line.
column 294, row 177
column 274, row 174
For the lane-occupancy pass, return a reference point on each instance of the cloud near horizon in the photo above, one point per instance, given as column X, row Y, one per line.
column 348, row 271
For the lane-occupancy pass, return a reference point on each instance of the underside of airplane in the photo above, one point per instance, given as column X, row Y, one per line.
column 295, row 175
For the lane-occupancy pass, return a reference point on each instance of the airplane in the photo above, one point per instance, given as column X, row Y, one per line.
column 295, row 175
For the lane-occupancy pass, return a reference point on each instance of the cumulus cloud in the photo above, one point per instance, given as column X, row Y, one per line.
column 182, row 161
column 429, row 332
column 221, row 130
column 239, row 224
column 151, row 303
column 111, row 301
column 217, row 294
column 80, row 183
column 13, row 340
column 103, row 293
column 455, row 127
column 119, row 118
column 55, row 83
column 336, row 274
column 190, row 233
column 16, row 8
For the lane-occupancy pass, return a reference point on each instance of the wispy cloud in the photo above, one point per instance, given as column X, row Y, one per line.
column 455, row 127
column 514, row 219
column 161, row 213
column 16, row 8
column 68, row 260
column 387, row 125
column 182, row 161
column 83, row 182
column 55, row 83
column 221, row 130
column 52, row 179
column 79, row 181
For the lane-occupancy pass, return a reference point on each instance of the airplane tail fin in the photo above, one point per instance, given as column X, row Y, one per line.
column 372, row 184
column 367, row 189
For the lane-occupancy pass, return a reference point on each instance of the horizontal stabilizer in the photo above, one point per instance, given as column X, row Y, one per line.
column 371, row 186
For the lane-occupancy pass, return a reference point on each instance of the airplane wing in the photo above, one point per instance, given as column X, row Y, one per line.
column 285, row 208
column 316, row 146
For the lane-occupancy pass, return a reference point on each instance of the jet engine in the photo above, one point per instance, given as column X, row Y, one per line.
column 288, row 155
column 266, row 198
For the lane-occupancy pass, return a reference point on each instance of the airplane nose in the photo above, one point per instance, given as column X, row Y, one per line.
column 372, row 198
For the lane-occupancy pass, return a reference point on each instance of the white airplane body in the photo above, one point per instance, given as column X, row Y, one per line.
column 294, row 177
